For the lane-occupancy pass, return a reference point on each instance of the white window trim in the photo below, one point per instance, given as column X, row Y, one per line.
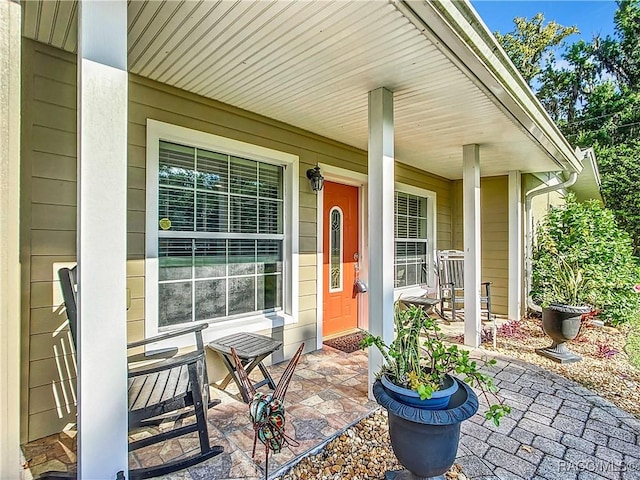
column 431, row 234
column 339, row 210
column 157, row 131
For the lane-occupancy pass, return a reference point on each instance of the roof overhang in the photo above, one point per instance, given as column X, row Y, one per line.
column 587, row 185
column 466, row 40
column 312, row 64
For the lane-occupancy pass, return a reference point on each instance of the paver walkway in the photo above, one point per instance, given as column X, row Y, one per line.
column 557, row 430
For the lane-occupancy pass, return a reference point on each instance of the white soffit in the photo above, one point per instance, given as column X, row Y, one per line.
column 311, row 64
column 54, row 22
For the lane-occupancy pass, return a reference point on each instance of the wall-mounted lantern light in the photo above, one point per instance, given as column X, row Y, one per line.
column 315, row 179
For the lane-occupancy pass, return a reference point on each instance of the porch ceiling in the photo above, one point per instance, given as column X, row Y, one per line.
column 311, row 64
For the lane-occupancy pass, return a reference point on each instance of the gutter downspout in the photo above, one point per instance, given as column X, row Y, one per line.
column 529, row 232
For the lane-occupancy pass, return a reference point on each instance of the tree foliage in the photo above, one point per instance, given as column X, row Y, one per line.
column 621, row 55
column 621, row 180
column 593, row 95
column 530, row 41
column 569, row 87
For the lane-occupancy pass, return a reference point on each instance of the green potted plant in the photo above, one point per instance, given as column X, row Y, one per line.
column 424, row 426
column 581, row 262
column 566, row 296
column 563, row 278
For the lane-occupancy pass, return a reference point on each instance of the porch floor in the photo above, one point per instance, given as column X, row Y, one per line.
column 327, row 393
column 557, row 429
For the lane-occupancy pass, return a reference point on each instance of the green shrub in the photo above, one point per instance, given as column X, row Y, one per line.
column 580, row 243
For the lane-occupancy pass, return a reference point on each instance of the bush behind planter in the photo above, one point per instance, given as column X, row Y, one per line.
column 586, row 237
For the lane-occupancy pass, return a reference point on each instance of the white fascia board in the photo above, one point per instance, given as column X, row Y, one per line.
column 588, row 184
column 458, row 32
column 590, row 161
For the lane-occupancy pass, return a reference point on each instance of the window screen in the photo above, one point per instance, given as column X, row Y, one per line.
column 220, row 245
column 411, row 243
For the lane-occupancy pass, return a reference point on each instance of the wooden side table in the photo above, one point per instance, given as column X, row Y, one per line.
column 252, row 349
column 427, row 304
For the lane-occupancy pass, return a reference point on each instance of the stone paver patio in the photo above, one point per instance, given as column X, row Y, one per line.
column 557, row 430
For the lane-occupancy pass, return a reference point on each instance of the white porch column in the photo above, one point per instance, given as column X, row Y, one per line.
column 515, row 245
column 381, row 190
column 102, row 239
column 472, row 259
column 10, row 41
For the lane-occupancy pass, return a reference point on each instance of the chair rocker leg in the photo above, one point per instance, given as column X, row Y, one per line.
column 176, row 465
column 149, row 472
column 206, row 451
column 57, row 476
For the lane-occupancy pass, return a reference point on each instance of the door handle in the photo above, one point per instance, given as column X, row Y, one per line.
column 358, row 287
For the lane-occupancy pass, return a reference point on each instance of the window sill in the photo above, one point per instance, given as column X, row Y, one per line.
column 413, row 291
column 251, row 324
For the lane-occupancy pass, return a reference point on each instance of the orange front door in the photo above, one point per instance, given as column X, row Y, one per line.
column 340, row 247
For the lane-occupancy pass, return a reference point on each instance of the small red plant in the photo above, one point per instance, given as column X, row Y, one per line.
column 486, row 336
column 511, row 329
column 580, row 339
column 606, row 351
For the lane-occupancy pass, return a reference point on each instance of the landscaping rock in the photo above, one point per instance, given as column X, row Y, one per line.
column 362, row 452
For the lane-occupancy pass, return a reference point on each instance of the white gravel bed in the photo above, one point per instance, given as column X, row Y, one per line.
column 361, row 452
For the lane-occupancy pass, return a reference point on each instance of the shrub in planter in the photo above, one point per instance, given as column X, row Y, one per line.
column 581, row 257
column 426, row 404
column 420, row 361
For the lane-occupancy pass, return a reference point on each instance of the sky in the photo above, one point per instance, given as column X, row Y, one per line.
column 591, row 17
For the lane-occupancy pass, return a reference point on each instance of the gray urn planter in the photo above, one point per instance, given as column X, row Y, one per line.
column 562, row 323
column 438, row 401
column 426, row 441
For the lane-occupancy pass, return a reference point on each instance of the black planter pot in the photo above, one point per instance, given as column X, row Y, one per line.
column 562, row 323
column 438, row 401
column 426, row 441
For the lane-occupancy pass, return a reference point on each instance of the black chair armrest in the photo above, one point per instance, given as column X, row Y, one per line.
column 171, row 334
column 156, row 354
column 487, row 287
column 167, row 364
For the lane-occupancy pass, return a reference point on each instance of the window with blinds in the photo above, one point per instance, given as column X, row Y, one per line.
column 220, row 235
column 411, row 242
